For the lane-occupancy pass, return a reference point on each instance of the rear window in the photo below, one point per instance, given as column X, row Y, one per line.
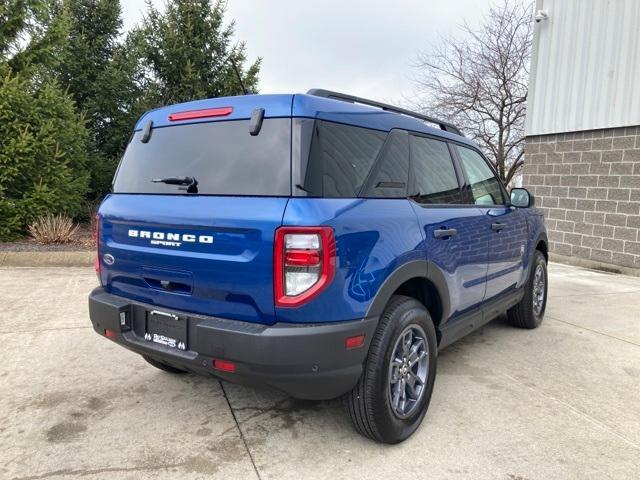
column 222, row 156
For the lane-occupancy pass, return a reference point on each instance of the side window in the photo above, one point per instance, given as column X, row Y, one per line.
column 485, row 187
column 340, row 159
column 433, row 171
column 390, row 173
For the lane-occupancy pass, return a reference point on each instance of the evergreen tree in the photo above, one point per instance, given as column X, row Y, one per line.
column 94, row 26
column 70, row 92
column 31, row 35
column 42, row 137
column 100, row 74
column 189, row 52
column 122, row 98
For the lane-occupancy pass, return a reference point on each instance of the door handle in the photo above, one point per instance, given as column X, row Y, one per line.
column 496, row 227
column 444, row 233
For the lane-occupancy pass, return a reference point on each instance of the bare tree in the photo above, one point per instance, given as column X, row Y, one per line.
column 479, row 82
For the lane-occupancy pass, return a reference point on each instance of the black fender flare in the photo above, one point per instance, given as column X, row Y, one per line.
column 542, row 237
column 414, row 269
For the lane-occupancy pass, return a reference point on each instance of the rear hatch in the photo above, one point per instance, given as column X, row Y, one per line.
column 196, row 201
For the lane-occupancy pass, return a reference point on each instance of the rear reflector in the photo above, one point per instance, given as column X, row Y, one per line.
column 195, row 114
column 110, row 334
column 224, row 365
column 354, row 342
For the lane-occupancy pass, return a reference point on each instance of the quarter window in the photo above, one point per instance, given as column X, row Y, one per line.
column 340, row 159
column 485, row 187
column 390, row 173
column 434, row 173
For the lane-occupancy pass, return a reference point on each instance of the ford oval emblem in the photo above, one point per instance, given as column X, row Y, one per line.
column 108, row 259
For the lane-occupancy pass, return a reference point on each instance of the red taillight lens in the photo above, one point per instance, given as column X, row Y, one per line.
column 304, row 263
column 110, row 334
column 302, row 258
column 224, row 365
column 196, row 114
column 96, row 238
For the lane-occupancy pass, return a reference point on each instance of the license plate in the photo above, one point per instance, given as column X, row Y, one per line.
column 167, row 329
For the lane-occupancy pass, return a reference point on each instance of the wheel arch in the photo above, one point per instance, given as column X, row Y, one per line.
column 419, row 279
column 542, row 244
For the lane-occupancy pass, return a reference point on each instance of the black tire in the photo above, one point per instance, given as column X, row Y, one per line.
column 525, row 314
column 163, row 366
column 369, row 404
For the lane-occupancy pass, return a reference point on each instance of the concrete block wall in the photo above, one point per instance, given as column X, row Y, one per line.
column 588, row 186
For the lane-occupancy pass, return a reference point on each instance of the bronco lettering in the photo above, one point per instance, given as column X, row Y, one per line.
column 172, row 239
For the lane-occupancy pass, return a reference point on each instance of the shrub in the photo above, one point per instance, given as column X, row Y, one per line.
column 42, row 153
column 53, row 229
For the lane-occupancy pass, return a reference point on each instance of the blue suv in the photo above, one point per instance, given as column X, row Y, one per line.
column 321, row 244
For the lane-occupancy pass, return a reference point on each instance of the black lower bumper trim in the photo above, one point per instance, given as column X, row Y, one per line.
column 307, row 361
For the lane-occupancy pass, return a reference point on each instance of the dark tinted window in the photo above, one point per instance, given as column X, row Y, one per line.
column 434, row 173
column 485, row 187
column 340, row 159
column 390, row 173
column 222, row 156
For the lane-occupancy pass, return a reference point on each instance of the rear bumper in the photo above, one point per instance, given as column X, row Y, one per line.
column 304, row 361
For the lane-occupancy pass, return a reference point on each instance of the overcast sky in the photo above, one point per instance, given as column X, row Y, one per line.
column 364, row 48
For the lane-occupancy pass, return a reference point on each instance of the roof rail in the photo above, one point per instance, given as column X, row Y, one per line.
column 447, row 127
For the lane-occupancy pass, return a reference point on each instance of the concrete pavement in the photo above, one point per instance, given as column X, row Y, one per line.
column 562, row 401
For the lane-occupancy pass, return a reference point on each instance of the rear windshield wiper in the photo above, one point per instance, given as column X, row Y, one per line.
column 190, row 182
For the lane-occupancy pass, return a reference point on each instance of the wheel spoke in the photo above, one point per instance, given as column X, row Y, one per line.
column 416, row 378
column 396, row 397
column 403, row 394
column 411, row 380
column 413, row 394
column 406, row 343
column 416, row 354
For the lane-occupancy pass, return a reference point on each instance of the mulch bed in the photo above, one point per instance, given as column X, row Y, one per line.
column 82, row 241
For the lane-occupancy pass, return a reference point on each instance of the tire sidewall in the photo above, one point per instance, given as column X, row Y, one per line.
column 392, row 427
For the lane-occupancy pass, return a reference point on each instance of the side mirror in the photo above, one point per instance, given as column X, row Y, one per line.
column 521, row 198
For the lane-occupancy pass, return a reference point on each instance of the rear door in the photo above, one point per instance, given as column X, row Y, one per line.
column 453, row 236
column 204, row 243
column 506, row 226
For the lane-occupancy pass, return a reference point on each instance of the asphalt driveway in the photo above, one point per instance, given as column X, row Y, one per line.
column 562, row 401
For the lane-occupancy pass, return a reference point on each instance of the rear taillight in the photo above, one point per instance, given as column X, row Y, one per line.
column 304, row 263
column 96, row 238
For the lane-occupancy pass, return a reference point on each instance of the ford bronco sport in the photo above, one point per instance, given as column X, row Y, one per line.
column 321, row 244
